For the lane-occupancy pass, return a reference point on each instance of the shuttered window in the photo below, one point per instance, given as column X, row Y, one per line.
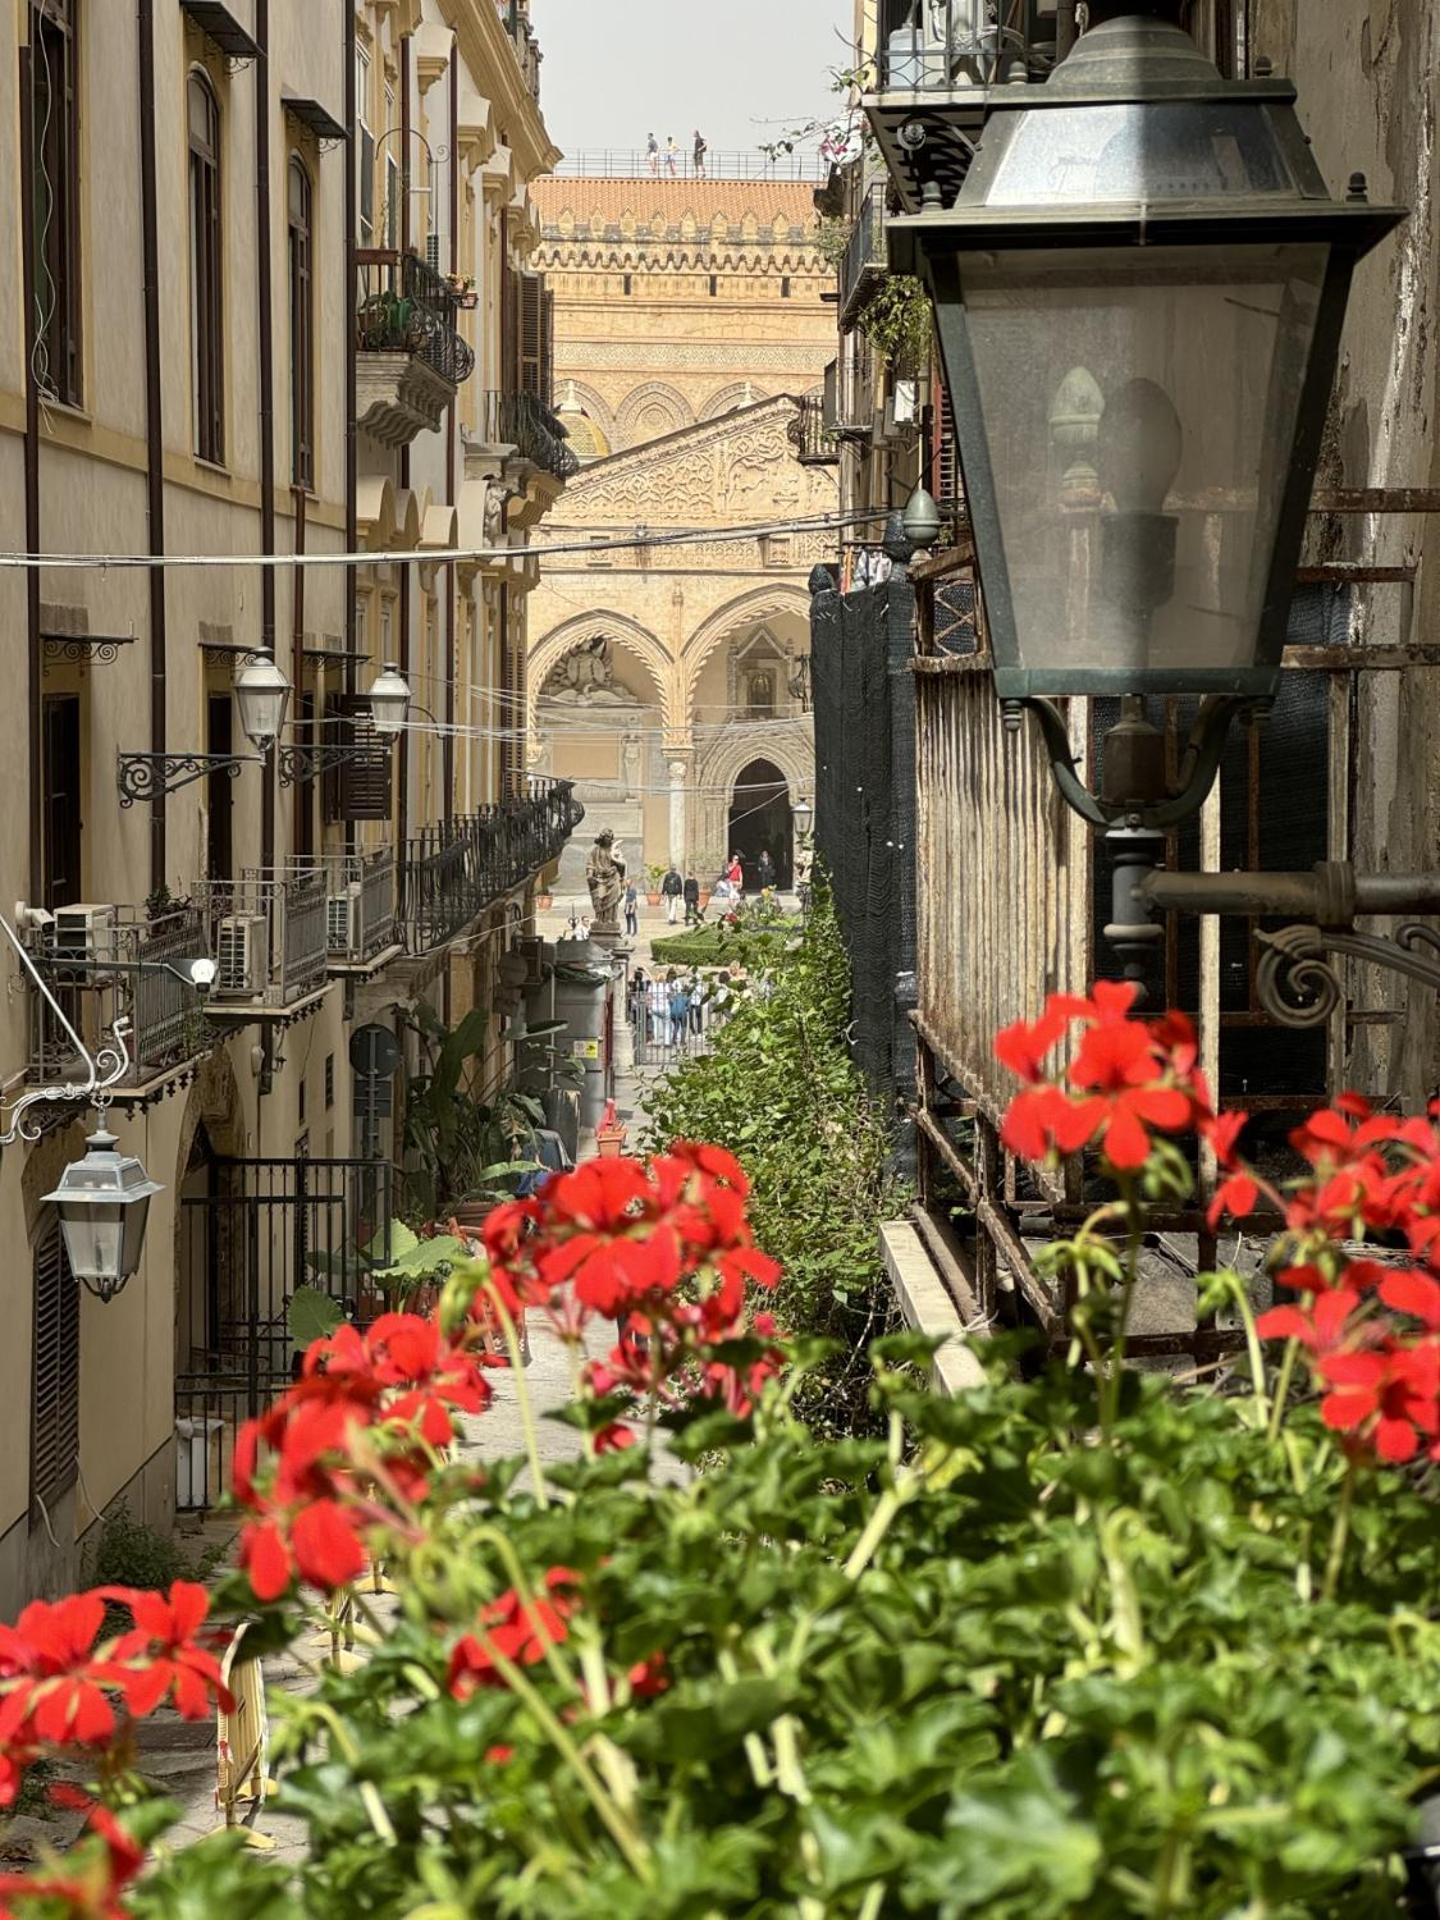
column 55, row 170
column 536, row 321
column 207, row 305
column 302, row 326
column 55, row 1372
column 359, row 788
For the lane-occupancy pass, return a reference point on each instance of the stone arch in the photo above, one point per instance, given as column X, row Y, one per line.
column 750, row 609
column 650, row 411
column 575, row 394
column 743, row 393
column 637, row 641
column 790, row 748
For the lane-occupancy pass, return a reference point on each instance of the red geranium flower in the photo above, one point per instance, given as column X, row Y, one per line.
column 519, row 1633
column 164, row 1637
column 1391, row 1397
column 49, row 1650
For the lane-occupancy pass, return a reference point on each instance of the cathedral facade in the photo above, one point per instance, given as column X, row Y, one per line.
column 668, row 676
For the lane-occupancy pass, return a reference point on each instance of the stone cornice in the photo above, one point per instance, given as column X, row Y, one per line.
column 486, row 50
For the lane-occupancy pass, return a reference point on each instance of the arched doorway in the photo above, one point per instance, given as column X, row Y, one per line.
column 761, row 821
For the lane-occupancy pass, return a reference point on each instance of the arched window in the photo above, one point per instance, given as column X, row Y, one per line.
column 302, row 325
column 207, row 332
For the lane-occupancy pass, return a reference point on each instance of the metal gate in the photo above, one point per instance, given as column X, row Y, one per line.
column 263, row 1229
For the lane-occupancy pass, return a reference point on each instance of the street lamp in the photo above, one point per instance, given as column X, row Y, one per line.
column 804, row 815
column 103, row 1201
column 1139, row 293
column 389, row 699
column 262, row 693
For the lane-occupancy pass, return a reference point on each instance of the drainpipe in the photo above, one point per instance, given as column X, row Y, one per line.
column 405, row 572
column 452, row 477
column 352, row 446
column 154, row 423
column 264, row 273
column 35, row 745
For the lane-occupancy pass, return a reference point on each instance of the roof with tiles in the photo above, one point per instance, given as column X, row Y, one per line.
column 766, row 211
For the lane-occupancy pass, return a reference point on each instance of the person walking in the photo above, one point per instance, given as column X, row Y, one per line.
column 632, row 910
column 672, row 156
column 672, row 889
column 658, row 1012
column 700, row 152
column 679, row 1008
column 697, row 1002
column 765, row 868
column 652, row 152
column 692, row 901
column 635, row 997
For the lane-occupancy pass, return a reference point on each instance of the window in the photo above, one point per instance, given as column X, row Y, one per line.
column 207, row 332
column 55, row 161
column 365, row 156
column 785, row 286
column 302, row 326
column 64, row 790
column 329, row 1081
column 220, row 791
column 54, row 1372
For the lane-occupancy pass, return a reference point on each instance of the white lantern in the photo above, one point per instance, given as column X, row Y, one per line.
column 263, row 693
column 389, row 699
column 103, row 1202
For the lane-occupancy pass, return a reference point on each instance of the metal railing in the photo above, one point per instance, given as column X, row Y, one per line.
column 865, row 264
column 636, row 163
column 405, row 306
column 269, row 929
column 814, row 440
column 117, row 968
column 361, row 908
column 940, row 45
column 523, row 421
column 454, row 869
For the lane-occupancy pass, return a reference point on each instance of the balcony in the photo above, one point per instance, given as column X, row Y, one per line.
column 270, row 930
column 863, row 270
column 814, row 438
column 515, row 18
column 455, row 869
column 362, row 912
column 411, row 359
column 91, row 960
column 522, row 421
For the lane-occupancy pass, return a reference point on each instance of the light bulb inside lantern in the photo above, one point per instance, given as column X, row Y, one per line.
column 1141, row 444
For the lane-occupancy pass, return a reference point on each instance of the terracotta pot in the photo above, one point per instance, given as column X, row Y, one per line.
column 653, row 899
column 544, row 901
column 704, row 898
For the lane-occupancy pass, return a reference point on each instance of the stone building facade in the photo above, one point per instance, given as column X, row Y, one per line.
column 669, row 680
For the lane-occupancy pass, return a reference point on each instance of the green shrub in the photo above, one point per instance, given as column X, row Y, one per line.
column 720, row 946
column 125, row 1552
column 782, row 1093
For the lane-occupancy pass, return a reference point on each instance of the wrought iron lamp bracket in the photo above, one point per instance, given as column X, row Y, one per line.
column 146, row 776
column 1198, row 769
column 104, row 1069
column 309, row 763
column 1300, row 987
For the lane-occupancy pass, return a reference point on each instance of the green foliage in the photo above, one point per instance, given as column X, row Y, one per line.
column 897, row 323
column 313, row 1315
column 988, row 1665
column 459, row 1148
column 832, row 239
column 717, row 945
column 782, row 1093
column 125, row 1552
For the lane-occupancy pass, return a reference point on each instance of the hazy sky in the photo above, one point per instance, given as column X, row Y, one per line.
column 740, row 70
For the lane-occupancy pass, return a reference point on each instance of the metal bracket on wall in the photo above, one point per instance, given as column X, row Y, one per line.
column 308, row 763
column 145, row 776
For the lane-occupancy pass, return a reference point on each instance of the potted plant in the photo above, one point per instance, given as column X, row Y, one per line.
column 544, row 900
column 654, row 874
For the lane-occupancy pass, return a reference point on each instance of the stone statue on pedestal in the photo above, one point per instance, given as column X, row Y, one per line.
column 605, row 877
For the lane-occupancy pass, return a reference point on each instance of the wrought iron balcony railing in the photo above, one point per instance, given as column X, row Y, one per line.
column 361, row 908
column 523, row 421
column 455, row 869
column 813, row 437
column 865, row 264
column 270, row 935
column 105, row 964
column 406, row 307
column 930, row 46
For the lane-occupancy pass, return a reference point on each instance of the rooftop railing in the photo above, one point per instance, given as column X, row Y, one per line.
column 407, row 307
column 523, row 421
column 637, row 163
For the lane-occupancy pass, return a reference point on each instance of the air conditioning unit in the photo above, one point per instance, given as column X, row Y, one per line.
column 242, row 957
column 901, row 416
column 343, row 929
column 85, row 933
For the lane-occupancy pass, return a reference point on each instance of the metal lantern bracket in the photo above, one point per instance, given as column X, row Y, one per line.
column 103, row 1069
column 148, row 776
column 1137, row 803
column 309, row 763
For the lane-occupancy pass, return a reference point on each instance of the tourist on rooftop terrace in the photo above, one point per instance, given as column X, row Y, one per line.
column 700, row 151
column 652, row 152
column 672, row 156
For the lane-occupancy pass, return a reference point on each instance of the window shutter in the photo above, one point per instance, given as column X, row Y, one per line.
column 367, row 187
column 532, row 333
column 357, row 789
column 55, row 1372
column 547, row 345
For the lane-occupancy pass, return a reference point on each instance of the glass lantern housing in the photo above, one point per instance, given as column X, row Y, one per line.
column 389, row 699
column 263, row 694
column 103, row 1202
column 1139, row 292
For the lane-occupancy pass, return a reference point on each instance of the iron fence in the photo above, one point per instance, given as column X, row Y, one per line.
column 663, row 1038
column 115, row 966
column 523, row 421
column 260, row 1230
column 405, row 306
column 636, row 163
